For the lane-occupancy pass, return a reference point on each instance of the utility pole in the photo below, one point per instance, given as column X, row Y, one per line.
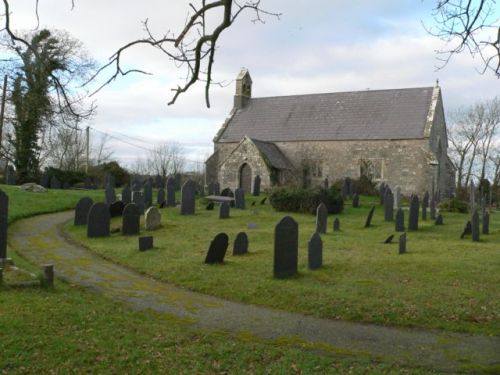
column 88, row 150
column 2, row 108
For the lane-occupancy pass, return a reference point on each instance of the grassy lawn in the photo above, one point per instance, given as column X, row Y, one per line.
column 442, row 282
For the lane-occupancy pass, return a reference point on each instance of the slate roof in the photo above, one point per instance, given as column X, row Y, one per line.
column 272, row 154
column 370, row 114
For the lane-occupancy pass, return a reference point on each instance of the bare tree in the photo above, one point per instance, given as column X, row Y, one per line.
column 101, row 150
column 166, row 159
column 490, row 127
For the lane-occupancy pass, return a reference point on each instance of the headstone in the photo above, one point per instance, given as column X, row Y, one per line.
column 326, row 183
column 402, row 243
column 433, row 208
column 110, row 180
column 369, row 217
column 467, row 230
column 256, row 186
column 381, row 191
column 345, row 189
column 321, row 218
column 116, row 209
column 48, row 275
column 224, row 210
column 138, row 199
column 475, row 226
column 4, row 214
column 217, row 249
column 148, row 194
column 336, row 225
column 355, row 200
column 397, row 197
column 413, row 216
column 98, row 220
column 11, row 177
column 389, row 239
column 227, row 192
column 160, row 198
column 152, row 218
column 400, row 220
column 82, row 210
column 286, row 248
column 239, row 198
column 131, row 219
column 439, row 220
column 425, row 205
column 240, row 246
column 263, row 201
column 315, row 252
column 126, row 195
column 486, row 223
column 210, row 206
column 188, row 195
column 44, row 180
column 110, row 195
column 388, row 205
column 145, row 243
column 170, row 192
column 55, row 183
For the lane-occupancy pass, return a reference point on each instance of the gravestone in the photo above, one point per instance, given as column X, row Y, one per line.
column 315, row 252
column 110, row 180
column 217, row 249
column 286, row 248
column 467, row 230
column 345, row 189
column 388, row 205
column 240, row 246
column 369, row 217
column 55, row 183
column 475, row 226
column 402, row 243
column 11, row 177
column 109, row 194
column 389, row 239
column 326, row 183
column 439, row 220
column 160, row 197
column 413, row 216
column 239, row 198
column 400, row 220
column 321, row 218
column 152, row 218
column 148, row 194
column 131, row 220
column 486, row 223
column 145, row 243
column 263, row 201
column 397, row 197
column 355, row 200
column 44, row 180
column 381, row 191
column 4, row 214
column 48, row 275
column 170, row 192
column 433, row 208
column 138, row 199
column 425, row 205
column 188, row 195
column 256, row 186
column 336, row 225
column 210, row 206
column 98, row 220
column 126, row 195
column 82, row 210
column 224, row 210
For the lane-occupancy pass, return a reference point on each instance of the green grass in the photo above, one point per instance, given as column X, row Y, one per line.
column 442, row 282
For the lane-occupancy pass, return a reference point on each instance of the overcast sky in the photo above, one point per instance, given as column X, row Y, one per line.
column 316, row 46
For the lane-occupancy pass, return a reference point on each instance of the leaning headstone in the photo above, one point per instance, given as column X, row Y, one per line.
column 400, row 220
column 467, row 230
column 170, row 192
column 286, row 248
column 439, row 220
column 55, row 183
column 210, row 206
column 321, row 218
column 336, row 224
column 433, row 208
column 224, row 210
column 152, row 218
column 388, row 205
column 425, row 205
column 389, row 239
column 486, row 223
column 315, row 252
column 160, row 198
column 368, row 221
column 98, row 220
column 413, row 216
column 381, row 191
column 402, row 243
column 239, row 198
column 145, row 243
column 263, row 201
column 397, row 197
column 475, row 226
column 240, row 246
column 148, row 194
column 126, row 195
column 110, row 195
column 138, row 199
column 82, row 210
column 131, row 219
column 256, row 186
column 4, row 213
column 217, row 249
column 355, row 200
column 188, row 194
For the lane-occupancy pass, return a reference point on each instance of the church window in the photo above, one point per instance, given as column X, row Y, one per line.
column 372, row 168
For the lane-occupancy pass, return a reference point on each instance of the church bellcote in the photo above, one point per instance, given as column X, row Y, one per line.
column 243, row 89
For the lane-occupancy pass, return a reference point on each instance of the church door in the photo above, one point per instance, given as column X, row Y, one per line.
column 246, row 178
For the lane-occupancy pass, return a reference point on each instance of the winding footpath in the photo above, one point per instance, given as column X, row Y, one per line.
column 40, row 240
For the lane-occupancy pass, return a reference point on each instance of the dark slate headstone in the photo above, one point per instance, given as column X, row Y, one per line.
column 82, row 210
column 131, row 220
column 210, row 206
column 413, row 216
column 240, row 246
column 98, row 220
column 345, row 189
column 116, row 209
column 224, row 210
column 433, row 208
column 439, row 220
column 110, row 195
column 400, row 221
column 402, row 243
column 315, row 252
column 381, row 191
column 256, row 186
column 321, row 218
column 160, row 197
column 148, row 194
column 126, row 194
column 44, row 180
column 467, row 229
column 286, row 248
column 55, row 183
column 336, row 225
column 475, row 226
column 486, row 223
column 355, row 200
column 217, row 249
column 239, row 198
column 4, row 213
column 389, row 239
column 425, row 205
column 138, row 199
column 170, row 192
column 188, row 195
column 227, row 192
column 263, row 201
column 145, row 243
column 369, row 217
column 388, row 205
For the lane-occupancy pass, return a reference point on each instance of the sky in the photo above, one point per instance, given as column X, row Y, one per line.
column 315, row 46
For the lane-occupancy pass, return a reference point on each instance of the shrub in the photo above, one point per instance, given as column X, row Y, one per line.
column 454, row 205
column 295, row 199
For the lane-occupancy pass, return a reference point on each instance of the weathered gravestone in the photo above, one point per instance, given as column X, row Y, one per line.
column 148, row 194
column 388, row 205
column 217, row 250
column 98, row 220
column 116, row 208
column 44, row 180
column 239, row 198
column 210, row 206
column 413, row 216
column 138, row 199
column 439, row 220
column 188, row 196
column 315, row 252
column 160, row 197
column 82, row 210
column 486, row 223
column 286, row 248
column 256, row 186
column 131, row 220
column 136, row 184
column 4, row 213
column 381, row 192
column 109, row 194
column 170, row 192
column 368, row 221
column 126, row 195
column 402, row 243
column 224, row 210
column 425, row 205
column 355, row 200
column 433, row 208
column 336, row 225
column 321, row 218
column 400, row 220
column 240, row 246
column 467, row 229
column 397, row 197
column 152, row 218
column 475, row 226
column 55, row 183
column 145, row 243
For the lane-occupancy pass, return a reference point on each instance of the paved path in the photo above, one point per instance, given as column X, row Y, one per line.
column 41, row 240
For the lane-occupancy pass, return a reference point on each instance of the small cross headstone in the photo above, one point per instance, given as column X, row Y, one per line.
column 110, row 195
column 82, row 210
column 160, row 198
column 425, row 205
column 336, row 225
column 286, row 248
column 355, row 200
column 138, row 199
column 397, row 198
column 4, row 214
column 55, row 183
column 217, row 250
column 475, row 226
column 145, row 243
column 98, row 220
column 256, row 186
column 400, row 220
column 439, row 220
column 402, row 243
column 388, row 205
column 389, row 239
column 239, row 198
column 315, row 251
column 188, row 195
column 126, row 194
column 321, row 218
column 467, row 230
column 240, row 246
column 224, row 210
column 210, row 206
column 413, row 217
column 148, row 194
column 131, row 219
column 369, row 217
column 170, row 192
column 152, row 218
column 116, row 208
column 263, row 201
column 486, row 223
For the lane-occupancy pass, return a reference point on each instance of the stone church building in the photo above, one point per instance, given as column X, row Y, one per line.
column 396, row 136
